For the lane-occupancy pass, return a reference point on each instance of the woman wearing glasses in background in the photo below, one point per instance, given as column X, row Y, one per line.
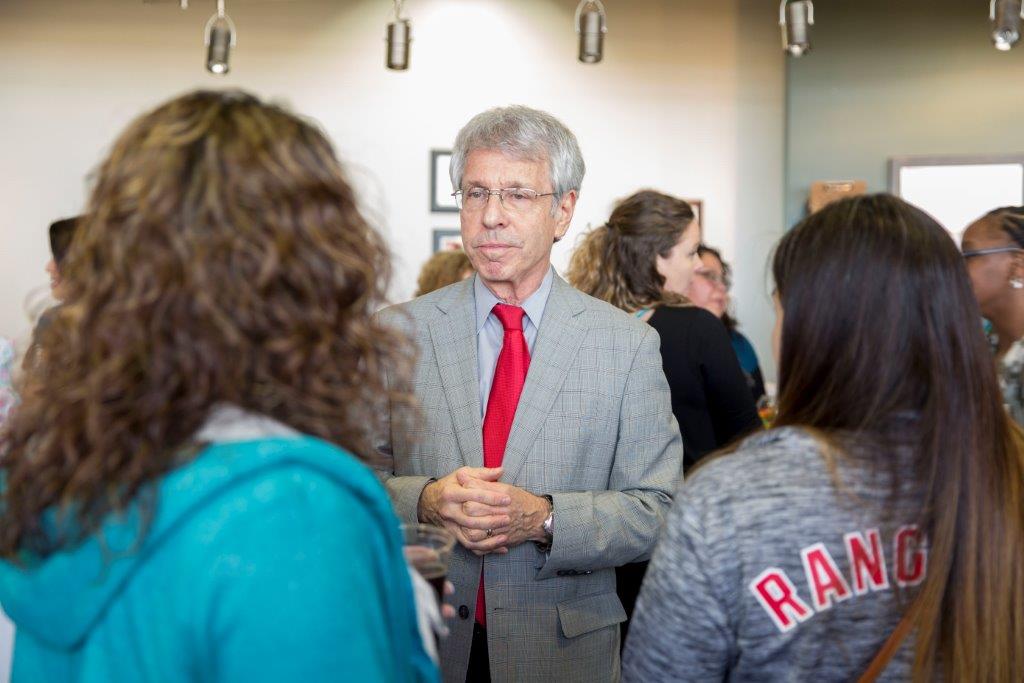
column 993, row 247
column 709, row 289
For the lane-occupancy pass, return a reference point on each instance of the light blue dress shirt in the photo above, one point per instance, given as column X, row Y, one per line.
column 490, row 335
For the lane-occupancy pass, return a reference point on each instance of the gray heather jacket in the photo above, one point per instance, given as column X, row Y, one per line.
column 767, row 571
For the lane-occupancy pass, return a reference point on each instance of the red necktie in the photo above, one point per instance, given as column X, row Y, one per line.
column 507, row 386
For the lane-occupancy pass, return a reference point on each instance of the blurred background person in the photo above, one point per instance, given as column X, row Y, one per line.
column 61, row 234
column 184, row 489
column 7, row 395
column 993, row 247
column 886, row 502
column 443, row 268
column 642, row 261
column 709, row 289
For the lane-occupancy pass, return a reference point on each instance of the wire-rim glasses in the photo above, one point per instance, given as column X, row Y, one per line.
column 519, row 199
column 990, row 250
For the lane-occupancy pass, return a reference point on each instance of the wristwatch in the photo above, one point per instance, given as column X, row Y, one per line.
column 548, row 527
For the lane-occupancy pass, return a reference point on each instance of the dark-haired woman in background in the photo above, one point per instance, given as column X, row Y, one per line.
column 709, row 289
column 642, row 261
column 184, row 497
column 887, row 501
column 993, row 247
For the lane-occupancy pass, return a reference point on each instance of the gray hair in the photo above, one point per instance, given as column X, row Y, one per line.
column 522, row 133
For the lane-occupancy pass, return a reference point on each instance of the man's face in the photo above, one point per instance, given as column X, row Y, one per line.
column 509, row 245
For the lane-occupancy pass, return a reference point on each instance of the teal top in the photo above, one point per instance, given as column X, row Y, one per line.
column 275, row 559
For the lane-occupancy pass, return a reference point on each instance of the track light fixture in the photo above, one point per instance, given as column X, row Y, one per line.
column 795, row 18
column 591, row 25
column 399, row 38
column 1006, row 16
column 220, row 38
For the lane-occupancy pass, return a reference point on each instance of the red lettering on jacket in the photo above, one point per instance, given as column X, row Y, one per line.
column 867, row 568
column 911, row 556
column 827, row 585
column 778, row 597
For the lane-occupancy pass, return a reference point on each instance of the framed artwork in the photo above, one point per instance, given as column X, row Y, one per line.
column 698, row 210
column 447, row 238
column 441, row 199
column 957, row 190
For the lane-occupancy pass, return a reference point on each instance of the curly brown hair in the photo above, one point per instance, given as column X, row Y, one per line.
column 222, row 260
column 442, row 269
column 617, row 262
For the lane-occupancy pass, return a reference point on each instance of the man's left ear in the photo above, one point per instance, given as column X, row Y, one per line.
column 566, row 208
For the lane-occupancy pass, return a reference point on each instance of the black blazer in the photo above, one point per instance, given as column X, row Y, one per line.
column 710, row 396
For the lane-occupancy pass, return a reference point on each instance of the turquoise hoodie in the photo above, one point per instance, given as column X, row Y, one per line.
column 267, row 560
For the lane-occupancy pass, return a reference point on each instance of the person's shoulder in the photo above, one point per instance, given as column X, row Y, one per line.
column 424, row 308
column 690, row 315
column 739, row 338
column 689, row 322
column 244, row 480
column 601, row 314
column 761, row 463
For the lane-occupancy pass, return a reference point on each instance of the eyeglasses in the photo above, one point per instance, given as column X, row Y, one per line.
column 518, row 199
column 991, row 250
column 715, row 279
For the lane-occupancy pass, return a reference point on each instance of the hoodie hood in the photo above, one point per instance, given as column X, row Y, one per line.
column 58, row 599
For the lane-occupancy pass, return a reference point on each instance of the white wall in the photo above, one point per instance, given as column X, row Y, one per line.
column 689, row 100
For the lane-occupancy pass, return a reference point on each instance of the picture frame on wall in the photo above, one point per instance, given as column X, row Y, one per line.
column 446, row 239
column 441, row 199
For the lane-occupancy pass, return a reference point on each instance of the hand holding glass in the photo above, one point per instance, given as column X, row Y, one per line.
column 428, row 549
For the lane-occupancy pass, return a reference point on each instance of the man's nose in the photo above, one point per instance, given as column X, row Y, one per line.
column 494, row 212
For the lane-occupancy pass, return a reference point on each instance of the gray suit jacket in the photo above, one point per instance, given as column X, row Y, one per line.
column 594, row 430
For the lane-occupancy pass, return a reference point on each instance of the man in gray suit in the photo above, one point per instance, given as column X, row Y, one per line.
column 564, row 399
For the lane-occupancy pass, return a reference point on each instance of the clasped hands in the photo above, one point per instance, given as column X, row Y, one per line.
column 485, row 515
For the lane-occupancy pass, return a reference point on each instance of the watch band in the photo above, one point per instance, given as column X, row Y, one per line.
column 549, row 524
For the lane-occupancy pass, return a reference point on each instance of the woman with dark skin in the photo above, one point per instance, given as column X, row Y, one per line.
column 993, row 247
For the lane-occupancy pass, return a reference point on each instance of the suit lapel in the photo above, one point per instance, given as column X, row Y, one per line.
column 559, row 337
column 454, row 338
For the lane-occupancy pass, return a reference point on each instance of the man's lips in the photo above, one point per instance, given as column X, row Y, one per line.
column 495, row 246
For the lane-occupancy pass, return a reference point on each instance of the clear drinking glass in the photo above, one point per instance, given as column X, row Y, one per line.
column 428, row 549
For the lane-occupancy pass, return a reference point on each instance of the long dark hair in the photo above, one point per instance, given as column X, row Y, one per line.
column 617, row 262
column 880, row 321
column 222, row 259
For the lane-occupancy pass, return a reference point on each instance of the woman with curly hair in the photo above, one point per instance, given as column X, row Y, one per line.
column 642, row 261
column 184, row 493
column 442, row 269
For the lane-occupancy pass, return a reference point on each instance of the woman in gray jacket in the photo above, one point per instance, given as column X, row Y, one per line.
column 888, row 499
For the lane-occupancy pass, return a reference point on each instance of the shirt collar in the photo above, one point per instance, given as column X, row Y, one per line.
column 534, row 304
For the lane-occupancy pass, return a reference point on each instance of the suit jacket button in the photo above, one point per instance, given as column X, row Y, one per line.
column 463, row 612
